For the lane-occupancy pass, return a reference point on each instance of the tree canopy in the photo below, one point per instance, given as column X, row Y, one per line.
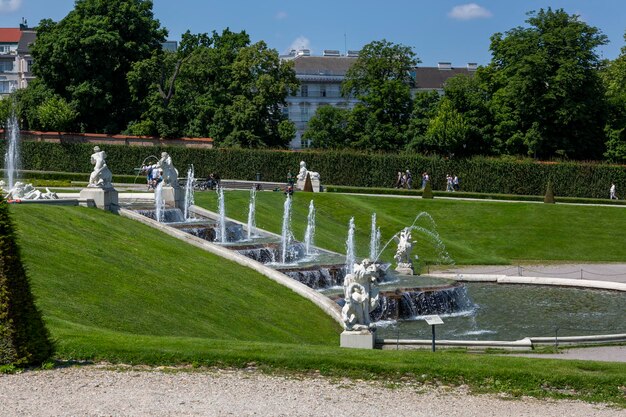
column 546, row 93
column 84, row 58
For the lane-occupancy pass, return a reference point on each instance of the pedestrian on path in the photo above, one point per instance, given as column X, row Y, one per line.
column 612, row 191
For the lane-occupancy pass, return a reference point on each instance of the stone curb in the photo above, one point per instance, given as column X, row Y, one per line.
column 562, row 282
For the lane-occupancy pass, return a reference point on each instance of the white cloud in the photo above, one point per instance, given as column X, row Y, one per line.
column 468, row 12
column 7, row 6
column 281, row 15
column 301, row 42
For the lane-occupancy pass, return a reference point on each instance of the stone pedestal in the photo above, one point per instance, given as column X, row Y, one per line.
column 363, row 339
column 316, row 184
column 103, row 198
column 405, row 269
column 174, row 197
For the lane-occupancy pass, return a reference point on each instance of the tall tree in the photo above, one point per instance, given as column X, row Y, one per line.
column 381, row 80
column 85, row 57
column 614, row 77
column 220, row 86
column 24, row 339
column 327, row 129
column 547, row 96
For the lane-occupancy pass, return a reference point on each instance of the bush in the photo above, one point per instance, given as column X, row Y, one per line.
column 343, row 168
column 24, row 339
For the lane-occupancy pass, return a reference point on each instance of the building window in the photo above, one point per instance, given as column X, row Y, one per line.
column 5, row 49
column 304, row 112
column 304, row 90
column 322, row 91
column 6, row 87
column 6, row 66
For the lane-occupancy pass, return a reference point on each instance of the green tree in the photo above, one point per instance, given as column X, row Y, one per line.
column 381, row 80
column 55, row 114
column 547, row 97
column 219, row 86
column 24, row 339
column 85, row 57
column 614, row 77
column 327, row 128
column 447, row 131
column 28, row 100
column 424, row 109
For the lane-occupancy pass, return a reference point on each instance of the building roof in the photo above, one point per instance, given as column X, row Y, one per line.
column 435, row 78
column 322, row 65
column 10, row 35
column 27, row 39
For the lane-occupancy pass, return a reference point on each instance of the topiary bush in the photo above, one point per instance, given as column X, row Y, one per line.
column 549, row 197
column 24, row 339
column 428, row 191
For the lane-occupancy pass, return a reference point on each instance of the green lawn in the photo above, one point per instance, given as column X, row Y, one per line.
column 115, row 290
column 474, row 232
column 96, row 271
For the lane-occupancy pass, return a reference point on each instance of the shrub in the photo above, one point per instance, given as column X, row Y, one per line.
column 428, row 191
column 549, row 197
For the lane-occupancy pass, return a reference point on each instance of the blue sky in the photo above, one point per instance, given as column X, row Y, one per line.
column 454, row 31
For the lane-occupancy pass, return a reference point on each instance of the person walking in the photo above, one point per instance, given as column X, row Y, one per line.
column 409, row 179
column 612, row 192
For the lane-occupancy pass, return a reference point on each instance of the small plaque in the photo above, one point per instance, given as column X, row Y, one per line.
column 434, row 319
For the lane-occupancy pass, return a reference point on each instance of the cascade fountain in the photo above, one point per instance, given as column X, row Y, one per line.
column 221, row 233
column 159, row 203
column 189, row 198
column 309, row 235
column 350, row 256
column 12, row 154
column 286, row 236
column 374, row 238
column 251, row 213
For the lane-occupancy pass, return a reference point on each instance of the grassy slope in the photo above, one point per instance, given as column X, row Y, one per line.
column 474, row 232
column 93, row 271
column 142, row 297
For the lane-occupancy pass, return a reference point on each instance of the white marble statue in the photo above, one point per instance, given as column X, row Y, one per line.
column 169, row 173
column 304, row 171
column 21, row 191
column 101, row 175
column 403, row 253
column 361, row 295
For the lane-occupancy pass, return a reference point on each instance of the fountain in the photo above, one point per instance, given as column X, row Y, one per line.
column 189, row 198
column 251, row 213
column 159, row 203
column 12, row 154
column 286, row 236
column 309, row 235
column 221, row 233
column 374, row 238
column 350, row 256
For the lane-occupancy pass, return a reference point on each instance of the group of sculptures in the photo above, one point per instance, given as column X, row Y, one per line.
column 22, row 191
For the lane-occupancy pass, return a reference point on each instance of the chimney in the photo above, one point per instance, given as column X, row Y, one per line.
column 472, row 66
column 444, row 65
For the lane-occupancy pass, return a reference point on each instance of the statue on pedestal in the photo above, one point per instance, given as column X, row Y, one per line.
column 403, row 253
column 361, row 296
column 170, row 174
column 101, row 175
column 304, row 171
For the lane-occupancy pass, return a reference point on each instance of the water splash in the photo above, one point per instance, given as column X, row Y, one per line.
column 12, row 154
column 286, row 235
column 350, row 256
column 189, row 197
column 430, row 232
column 221, row 233
column 374, row 238
column 159, row 203
column 309, row 235
column 251, row 213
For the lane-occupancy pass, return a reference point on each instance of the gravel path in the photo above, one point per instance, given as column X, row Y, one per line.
column 96, row 391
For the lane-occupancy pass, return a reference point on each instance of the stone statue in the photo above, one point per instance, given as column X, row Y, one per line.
column 21, row 191
column 170, row 174
column 403, row 253
column 304, row 171
column 101, row 175
column 361, row 295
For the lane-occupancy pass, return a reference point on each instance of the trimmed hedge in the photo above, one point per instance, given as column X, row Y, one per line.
column 24, row 339
column 504, row 175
